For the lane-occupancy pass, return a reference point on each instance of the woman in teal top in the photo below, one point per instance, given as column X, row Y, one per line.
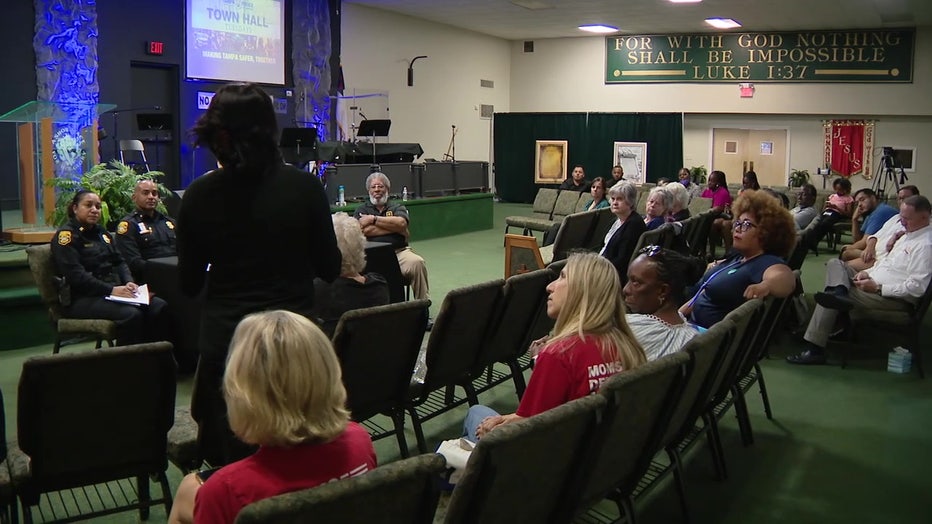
column 598, row 195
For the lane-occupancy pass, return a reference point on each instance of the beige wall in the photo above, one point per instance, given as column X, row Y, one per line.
column 377, row 47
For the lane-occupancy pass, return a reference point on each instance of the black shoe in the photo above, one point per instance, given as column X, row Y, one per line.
column 834, row 301
column 811, row 356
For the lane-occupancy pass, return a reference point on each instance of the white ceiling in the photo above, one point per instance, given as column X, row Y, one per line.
column 556, row 18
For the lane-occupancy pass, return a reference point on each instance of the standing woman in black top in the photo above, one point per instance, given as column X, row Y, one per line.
column 91, row 268
column 257, row 232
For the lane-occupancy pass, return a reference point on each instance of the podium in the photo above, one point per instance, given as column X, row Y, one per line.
column 53, row 139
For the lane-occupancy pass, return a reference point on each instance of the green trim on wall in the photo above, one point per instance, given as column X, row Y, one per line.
column 443, row 216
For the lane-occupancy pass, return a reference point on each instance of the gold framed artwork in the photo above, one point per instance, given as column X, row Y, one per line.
column 550, row 161
column 521, row 254
column 632, row 157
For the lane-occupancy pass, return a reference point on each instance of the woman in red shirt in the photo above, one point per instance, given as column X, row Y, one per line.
column 284, row 392
column 591, row 341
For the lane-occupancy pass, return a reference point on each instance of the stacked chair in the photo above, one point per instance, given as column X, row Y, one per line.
column 542, row 209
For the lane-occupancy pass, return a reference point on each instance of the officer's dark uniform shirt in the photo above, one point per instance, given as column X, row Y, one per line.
column 88, row 259
column 140, row 238
column 397, row 240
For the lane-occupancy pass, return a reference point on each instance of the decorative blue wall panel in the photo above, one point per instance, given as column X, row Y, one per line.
column 311, row 64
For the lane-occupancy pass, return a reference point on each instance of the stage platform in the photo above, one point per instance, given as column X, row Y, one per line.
column 442, row 216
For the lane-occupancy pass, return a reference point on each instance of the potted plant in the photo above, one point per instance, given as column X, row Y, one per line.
column 798, row 177
column 698, row 174
column 114, row 182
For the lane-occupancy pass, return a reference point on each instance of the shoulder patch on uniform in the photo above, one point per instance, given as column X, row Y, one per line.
column 169, row 224
column 123, row 227
column 389, row 214
column 106, row 237
column 64, row 238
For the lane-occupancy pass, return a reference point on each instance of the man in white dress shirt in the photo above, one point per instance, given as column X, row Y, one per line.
column 894, row 283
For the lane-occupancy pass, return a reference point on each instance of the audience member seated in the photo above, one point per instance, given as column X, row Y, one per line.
column 145, row 233
column 91, row 269
column 576, row 181
column 838, row 207
column 894, row 283
column 598, row 200
column 721, row 206
column 591, row 341
column 625, row 232
column 384, row 221
column 686, row 179
column 679, row 210
column 805, row 211
column 763, row 237
column 869, row 217
column 857, row 254
column 284, row 393
column 749, row 181
column 351, row 290
column 783, row 199
column 657, row 210
column 656, row 288
column 618, row 173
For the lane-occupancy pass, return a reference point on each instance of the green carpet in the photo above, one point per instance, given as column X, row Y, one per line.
column 844, row 446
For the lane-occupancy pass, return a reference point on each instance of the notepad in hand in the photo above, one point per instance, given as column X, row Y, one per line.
column 141, row 298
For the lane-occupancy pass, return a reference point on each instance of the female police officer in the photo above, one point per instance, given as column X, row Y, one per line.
column 91, row 267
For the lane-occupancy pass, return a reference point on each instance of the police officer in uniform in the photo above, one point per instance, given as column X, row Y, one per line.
column 145, row 233
column 92, row 269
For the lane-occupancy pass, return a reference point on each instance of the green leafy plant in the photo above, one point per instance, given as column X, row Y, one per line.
column 113, row 181
column 798, row 177
column 699, row 174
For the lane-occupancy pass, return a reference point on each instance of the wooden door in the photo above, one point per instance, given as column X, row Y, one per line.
column 764, row 151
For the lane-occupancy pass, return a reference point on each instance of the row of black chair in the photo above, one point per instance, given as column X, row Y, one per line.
column 478, row 337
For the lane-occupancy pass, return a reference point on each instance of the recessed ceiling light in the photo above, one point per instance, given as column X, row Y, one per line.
column 685, row 1
column 598, row 28
column 722, row 23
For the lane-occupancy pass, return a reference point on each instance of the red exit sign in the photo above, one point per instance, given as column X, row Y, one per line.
column 155, row 47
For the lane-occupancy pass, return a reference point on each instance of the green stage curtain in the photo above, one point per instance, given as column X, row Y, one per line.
column 590, row 137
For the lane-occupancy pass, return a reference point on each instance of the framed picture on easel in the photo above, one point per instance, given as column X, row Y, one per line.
column 632, row 157
column 550, row 161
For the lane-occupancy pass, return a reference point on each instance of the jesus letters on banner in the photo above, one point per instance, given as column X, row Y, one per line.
column 849, row 147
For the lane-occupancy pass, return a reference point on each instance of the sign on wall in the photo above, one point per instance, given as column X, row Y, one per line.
column 857, row 55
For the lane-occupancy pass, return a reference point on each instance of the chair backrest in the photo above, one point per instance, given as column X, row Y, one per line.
column 545, row 200
column 521, row 299
column 662, row 236
column 517, row 472
column 43, row 272
column 923, row 306
column 700, row 205
column 798, row 255
column 603, row 222
column 705, row 351
column 522, row 254
column 700, row 234
column 377, row 376
column 747, row 320
column 131, row 145
column 566, row 204
column 459, row 330
column 583, row 201
column 94, row 416
column 573, row 233
column 639, row 404
column 403, row 491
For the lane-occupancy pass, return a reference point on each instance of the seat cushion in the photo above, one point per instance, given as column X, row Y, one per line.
column 101, row 327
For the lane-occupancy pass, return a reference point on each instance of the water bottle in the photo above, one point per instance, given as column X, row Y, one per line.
column 404, row 193
column 341, row 198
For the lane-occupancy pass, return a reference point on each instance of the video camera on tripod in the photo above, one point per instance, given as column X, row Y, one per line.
column 887, row 170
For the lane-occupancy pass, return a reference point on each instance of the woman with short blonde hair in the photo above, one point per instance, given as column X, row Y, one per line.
column 284, row 392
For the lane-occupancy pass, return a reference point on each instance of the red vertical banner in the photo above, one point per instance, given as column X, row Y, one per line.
column 848, row 147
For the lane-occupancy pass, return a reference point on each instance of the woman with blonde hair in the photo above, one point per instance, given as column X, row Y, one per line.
column 284, row 393
column 591, row 341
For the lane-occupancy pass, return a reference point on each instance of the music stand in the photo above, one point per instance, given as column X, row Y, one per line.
column 298, row 145
column 374, row 128
column 156, row 122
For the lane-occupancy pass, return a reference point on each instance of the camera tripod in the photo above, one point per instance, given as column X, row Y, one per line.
column 887, row 171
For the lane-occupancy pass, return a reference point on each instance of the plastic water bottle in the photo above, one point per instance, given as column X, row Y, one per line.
column 341, row 198
column 404, row 193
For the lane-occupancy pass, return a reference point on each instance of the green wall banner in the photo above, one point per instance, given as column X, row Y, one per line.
column 856, row 55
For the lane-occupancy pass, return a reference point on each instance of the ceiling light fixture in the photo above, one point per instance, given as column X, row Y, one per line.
column 685, row 1
column 722, row 23
column 598, row 28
